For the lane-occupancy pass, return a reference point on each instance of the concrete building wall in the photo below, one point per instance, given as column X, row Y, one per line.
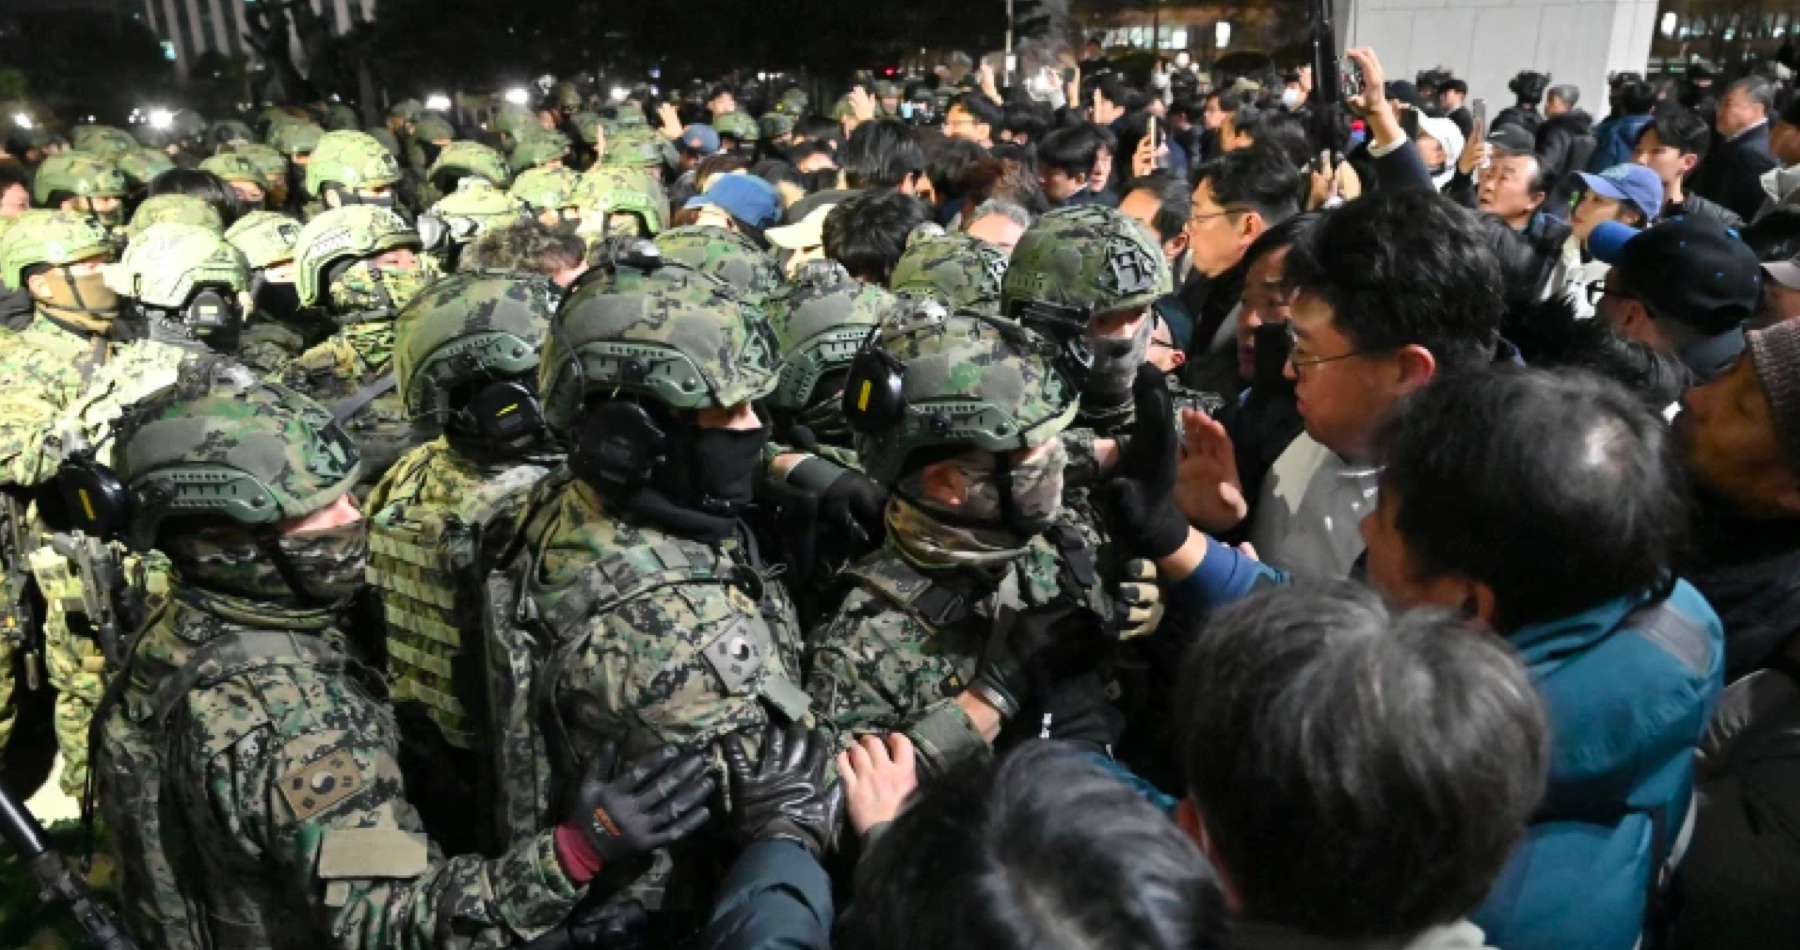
column 1485, row 42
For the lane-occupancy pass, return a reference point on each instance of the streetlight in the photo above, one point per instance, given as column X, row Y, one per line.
column 437, row 102
column 518, row 96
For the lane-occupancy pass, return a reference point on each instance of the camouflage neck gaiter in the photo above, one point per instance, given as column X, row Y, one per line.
column 930, row 543
column 330, row 563
column 365, row 288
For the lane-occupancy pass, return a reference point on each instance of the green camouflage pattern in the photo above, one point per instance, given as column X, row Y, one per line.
column 994, row 382
column 340, row 118
column 476, row 208
column 607, row 190
column 676, row 336
column 295, row 137
column 432, row 127
column 267, row 160
column 774, row 125
column 388, row 140
column 263, row 789
column 102, row 141
column 142, row 164
column 230, row 131
column 1089, row 260
column 265, row 238
column 638, row 148
column 78, row 174
column 794, row 102
column 267, row 346
column 175, row 209
column 540, row 148
column 352, row 159
column 467, row 328
column 959, row 271
column 230, row 166
column 631, row 117
column 166, row 263
column 725, row 255
column 546, row 189
column 515, row 121
column 336, row 369
column 737, row 125
column 41, row 236
column 820, row 321
column 406, row 109
column 351, row 231
column 471, row 159
column 587, row 128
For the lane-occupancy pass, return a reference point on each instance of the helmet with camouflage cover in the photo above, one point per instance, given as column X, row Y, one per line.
column 142, row 164
column 341, row 118
column 166, row 263
column 515, row 121
column 671, row 336
column 565, row 95
column 546, row 189
column 295, row 137
column 794, row 102
column 961, row 272
column 265, row 238
column 45, row 236
column 964, row 381
column 230, row 166
column 540, row 148
column 637, row 148
column 1074, row 264
column 343, row 236
column 886, row 89
column 631, row 117
column 272, row 164
column 432, row 127
column 737, row 125
column 587, row 127
column 775, row 125
column 271, row 116
column 229, row 132
column 841, row 109
column 76, row 175
column 726, row 255
column 257, row 456
column 465, row 331
column 605, row 191
column 461, row 160
column 469, row 212
column 352, row 160
column 821, row 320
column 387, row 139
column 102, row 141
column 407, row 110
column 180, row 209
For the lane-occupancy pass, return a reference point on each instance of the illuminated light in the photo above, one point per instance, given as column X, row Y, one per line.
column 161, row 118
column 618, row 93
column 437, row 102
column 518, row 97
column 22, row 120
column 1222, row 34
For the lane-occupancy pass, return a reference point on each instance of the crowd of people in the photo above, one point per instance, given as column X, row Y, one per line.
column 1072, row 513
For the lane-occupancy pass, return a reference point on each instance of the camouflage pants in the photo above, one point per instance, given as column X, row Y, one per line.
column 76, row 667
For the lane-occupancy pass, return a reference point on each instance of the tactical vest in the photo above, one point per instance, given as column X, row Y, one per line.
column 532, row 632
column 162, row 894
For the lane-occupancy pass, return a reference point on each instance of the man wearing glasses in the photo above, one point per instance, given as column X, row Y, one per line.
column 1684, row 287
column 973, row 117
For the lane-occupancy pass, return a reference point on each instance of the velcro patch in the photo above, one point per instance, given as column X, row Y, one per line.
column 371, row 852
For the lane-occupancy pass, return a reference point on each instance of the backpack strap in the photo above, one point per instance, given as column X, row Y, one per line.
column 910, row 589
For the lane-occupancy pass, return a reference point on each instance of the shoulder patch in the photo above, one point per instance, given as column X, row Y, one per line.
column 316, row 786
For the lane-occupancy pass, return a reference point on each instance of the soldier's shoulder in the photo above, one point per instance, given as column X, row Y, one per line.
column 287, row 700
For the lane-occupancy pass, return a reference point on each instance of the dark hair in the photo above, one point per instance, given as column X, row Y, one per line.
column 1028, row 120
column 1774, row 237
column 1529, row 87
column 991, row 179
column 1073, row 150
column 1174, row 203
column 819, row 129
column 1278, row 237
column 775, row 171
column 1635, row 97
column 1550, row 334
column 196, row 183
column 981, row 109
column 947, row 165
column 1193, row 108
column 1455, row 85
column 1275, row 127
column 1116, row 91
column 807, row 148
column 529, row 247
column 1558, row 490
column 1760, row 91
column 881, row 154
column 1259, row 177
column 723, row 163
column 1361, row 774
column 994, row 858
column 1404, row 267
column 1681, row 129
column 867, row 234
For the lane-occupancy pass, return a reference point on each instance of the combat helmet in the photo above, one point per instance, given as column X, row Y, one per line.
column 587, row 128
column 737, row 125
column 605, row 191
column 180, row 209
column 475, row 339
column 341, row 118
column 46, row 236
column 515, row 121
column 188, row 278
column 338, row 240
column 142, row 164
column 961, row 272
column 257, row 456
column 1075, row 264
column 432, row 127
column 78, row 175
column 726, row 255
column 638, row 148
column 775, row 125
column 467, row 213
column 460, row 160
column 540, row 148
column 229, row 132
column 546, row 189
column 821, row 320
column 931, row 379
column 272, row 164
column 234, row 168
column 352, row 160
column 102, row 141
column 295, row 137
column 265, row 238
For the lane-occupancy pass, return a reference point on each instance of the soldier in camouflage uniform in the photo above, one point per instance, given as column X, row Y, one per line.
column 959, row 271
column 466, row 353
column 250, row 778
column 102, row 141
column 350, row 168
column 641, row 148
column 274, row 168
column 960, row 417
column 549, row 193
column 139, row 166
column 541, row 149
column 64, row 385
column 464, row 215
column 83, row 184
column 740, row 129
column 821, row 319
column 359, row 264
column 278, row 329
column 460, row 160
column 242, row 176
column 632, row 589
column 174, row 209
column 726, row 255
column 191, row 287
column 618, row 200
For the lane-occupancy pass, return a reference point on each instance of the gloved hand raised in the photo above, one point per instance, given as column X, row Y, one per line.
column 1040, row 650
column 653, row 802
column 1140, row 495
column 784, row 796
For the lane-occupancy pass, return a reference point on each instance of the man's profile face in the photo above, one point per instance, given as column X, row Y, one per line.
column 1592, row 210
column 1265, row 301
column 1665, row 160
column 1737, row 112
column 1217, row 236
column 14, row 200
column 1059, row 185
column 1506, row 189
column 1728, row 443
column 1214, row 117
column 1343, row 393
column 959, row 124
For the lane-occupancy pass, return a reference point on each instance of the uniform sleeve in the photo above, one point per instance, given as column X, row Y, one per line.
column 28, row 413
column 325, row 813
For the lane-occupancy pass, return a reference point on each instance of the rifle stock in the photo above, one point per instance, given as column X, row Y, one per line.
column 56, row 881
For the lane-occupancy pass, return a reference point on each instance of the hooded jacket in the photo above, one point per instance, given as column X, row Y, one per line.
column 1614, row 141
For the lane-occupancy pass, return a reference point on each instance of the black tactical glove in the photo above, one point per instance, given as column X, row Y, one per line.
column 785, row 796
column 848, row 500
column 1140, row 496
column 1040, row 650
column 655, row 801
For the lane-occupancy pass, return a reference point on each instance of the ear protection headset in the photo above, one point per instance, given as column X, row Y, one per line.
column 88, row 497
column 1067, row 327
column 211, row 313
column 505, row 412
column 617, row 442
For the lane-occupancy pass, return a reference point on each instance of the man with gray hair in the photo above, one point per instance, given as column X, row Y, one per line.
column 1731, row 174
column 1564, row 143
column 998, row 222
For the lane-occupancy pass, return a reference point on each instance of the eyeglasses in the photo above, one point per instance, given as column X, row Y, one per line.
column 1299, row 359
column 1192, row 218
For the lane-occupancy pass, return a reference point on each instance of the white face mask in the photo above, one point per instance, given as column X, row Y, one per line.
column 1291, row 97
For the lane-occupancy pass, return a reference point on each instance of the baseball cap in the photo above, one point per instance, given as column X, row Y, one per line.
column 1692, row 272
column 1786, row 273
column 1400, row 90
column 745, row 197
column 1628, row 182
column 700, row 138
column 1512, row 139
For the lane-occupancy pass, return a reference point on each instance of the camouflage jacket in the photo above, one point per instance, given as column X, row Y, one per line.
column 268, row 347
column 359, row 355
column 251, row 786
column 907, row 640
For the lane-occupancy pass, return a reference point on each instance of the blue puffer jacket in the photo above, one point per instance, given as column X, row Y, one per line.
column 1629, row 693
column 1614, row 141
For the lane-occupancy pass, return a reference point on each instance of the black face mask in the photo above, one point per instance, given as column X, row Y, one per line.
column 430, row 151
column 714, row 470
column 278, row 301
